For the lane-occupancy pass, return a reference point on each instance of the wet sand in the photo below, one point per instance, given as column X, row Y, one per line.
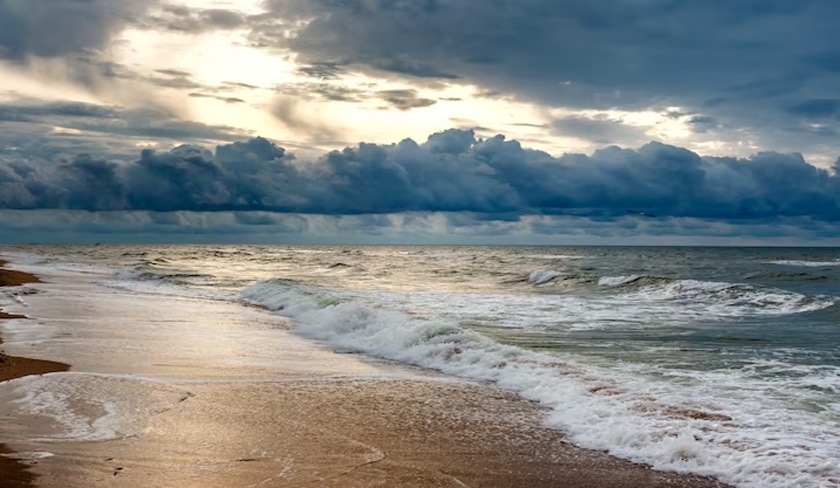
column 346, row 432
column 14, row 473
column 10, row 277
column 16, row 367
column 231, row 399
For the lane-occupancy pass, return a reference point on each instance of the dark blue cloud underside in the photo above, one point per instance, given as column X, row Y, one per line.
column 451, row 172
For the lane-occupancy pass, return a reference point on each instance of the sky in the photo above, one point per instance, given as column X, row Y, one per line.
column 576, row 122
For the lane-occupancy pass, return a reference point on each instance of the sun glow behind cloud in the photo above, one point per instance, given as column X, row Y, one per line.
column 220, row 78
column 259, row 78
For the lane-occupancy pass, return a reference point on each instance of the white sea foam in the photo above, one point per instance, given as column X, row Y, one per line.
column 617, row 280
column 29, row 455
column 553, row 256
column 718, row 299
column 86, row 406
column 647, row 307
column 540, row 276
column 806, row 264
column 448, row 255
column 151, row 284
column 720, row 423
column 16, row 295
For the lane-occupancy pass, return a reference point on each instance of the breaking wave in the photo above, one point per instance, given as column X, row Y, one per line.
column 806, row 264
column 721, row 299
column 734, row 299
column 540, row 276
column 708, row 429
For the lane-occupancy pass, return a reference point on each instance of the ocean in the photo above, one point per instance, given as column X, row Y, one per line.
column 722, row 362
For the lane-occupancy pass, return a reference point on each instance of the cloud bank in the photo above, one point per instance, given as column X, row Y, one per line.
column 452, row 171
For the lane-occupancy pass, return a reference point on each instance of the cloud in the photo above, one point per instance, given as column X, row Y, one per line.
column 322, row 71
column 747, row 64
column 295, row 115
column 23, row 112
column 216, row 97
column 702, row 124
column 325, row 91
column 404, row 99
column 72, row 41
column 77, row 226
column 819, row 108
column 598, row 130
column 48, row 28
column 452, row 172
column 50, row 132
column 192, row 21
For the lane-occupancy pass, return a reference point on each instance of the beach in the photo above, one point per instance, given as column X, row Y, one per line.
column 169, row 391
column 12, row 472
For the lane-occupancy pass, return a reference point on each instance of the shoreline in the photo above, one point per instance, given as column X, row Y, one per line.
column 317, row 422
column 15, row 473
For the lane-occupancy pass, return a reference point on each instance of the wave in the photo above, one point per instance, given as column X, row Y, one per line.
column 175, row 278
column 553, row 256
column 722, row 299
column 734, row 294
column 643, row 418
column 733, row 299
column 187, row 285
column 636, row 281
column 786, row 276
column 618, row 280
column 806, row 264
column 540, row 276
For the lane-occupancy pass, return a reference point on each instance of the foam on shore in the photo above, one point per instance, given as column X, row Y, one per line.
column 646, row 415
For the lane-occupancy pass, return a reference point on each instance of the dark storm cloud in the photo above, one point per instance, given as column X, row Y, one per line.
column 701, row 123
column 820, row 108
column 224, row 19
column 409, row 67
column 323, row 71
column 78, row 226
column 216, row 97
column 598, row 130
column 453, row 171
column 171, row 78
column 756, row 58
column 187, row 20
column 79, row 34
column 92, row 184
column 323, row 91
column 50, row 28
column 90, row 72
column 235, row 85
column 600, row 45
column 29, row 113
column 404, row 99
column 31, row 130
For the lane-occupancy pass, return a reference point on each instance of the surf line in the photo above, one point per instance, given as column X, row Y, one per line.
column 12, row 367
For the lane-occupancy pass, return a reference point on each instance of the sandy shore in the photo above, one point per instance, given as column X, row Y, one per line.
column 14, row 473
column 346, row 433
column 16, row 367
column 208, row 394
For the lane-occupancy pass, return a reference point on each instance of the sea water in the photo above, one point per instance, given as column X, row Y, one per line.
column 716, row 361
